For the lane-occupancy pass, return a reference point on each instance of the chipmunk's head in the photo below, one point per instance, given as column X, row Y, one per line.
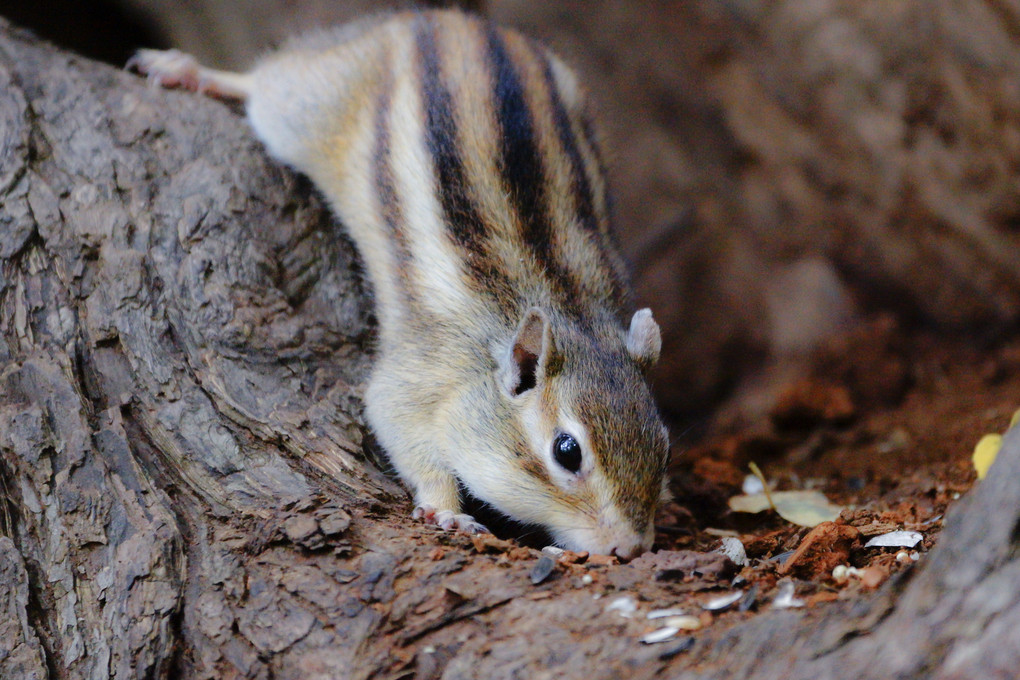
column 591, row 447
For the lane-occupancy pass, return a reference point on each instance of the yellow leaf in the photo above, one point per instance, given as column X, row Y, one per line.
column 985, row 452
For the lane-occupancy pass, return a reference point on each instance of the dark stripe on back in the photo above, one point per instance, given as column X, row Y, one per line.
column 580, row 184
column 619, row 268
column 466, row 225
column 383, row 176
column 600, row 166
column 581, row 187
column 522, row 170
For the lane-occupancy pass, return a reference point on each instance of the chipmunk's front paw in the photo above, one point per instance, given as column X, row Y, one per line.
column 448, row 520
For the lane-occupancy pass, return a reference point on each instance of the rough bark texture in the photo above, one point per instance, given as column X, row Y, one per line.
column 182, row 337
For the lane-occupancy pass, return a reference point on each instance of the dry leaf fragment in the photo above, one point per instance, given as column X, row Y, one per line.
column 803, row 508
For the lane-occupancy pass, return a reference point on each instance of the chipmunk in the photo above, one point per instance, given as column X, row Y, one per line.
column 460, row 157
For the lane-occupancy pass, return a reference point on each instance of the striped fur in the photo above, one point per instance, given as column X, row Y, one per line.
column 525, row 230
column 461, row 159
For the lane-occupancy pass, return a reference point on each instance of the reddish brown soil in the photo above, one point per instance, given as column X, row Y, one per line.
column 885, row 424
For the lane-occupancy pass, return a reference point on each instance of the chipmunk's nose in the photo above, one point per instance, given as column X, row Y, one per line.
column 628, row 552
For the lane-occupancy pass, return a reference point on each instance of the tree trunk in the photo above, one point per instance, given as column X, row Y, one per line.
column 183, row 336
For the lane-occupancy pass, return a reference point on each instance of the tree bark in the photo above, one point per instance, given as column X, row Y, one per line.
column 183, row 336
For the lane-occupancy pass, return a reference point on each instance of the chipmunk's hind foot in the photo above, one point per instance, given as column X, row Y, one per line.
column 173, row 68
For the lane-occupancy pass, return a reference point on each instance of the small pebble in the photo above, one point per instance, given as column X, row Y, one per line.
column 895, row 539
column 660, row 635
column 784, row 598
column 542, row 569
column 587, row 579
column 686, row 622
column 902, row 556
column 752, row 485
column 625, row 606
column 723, row 601
column 733, row 549
column 552, row 551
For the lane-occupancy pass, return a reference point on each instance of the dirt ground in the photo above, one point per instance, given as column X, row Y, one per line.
column 885, row 426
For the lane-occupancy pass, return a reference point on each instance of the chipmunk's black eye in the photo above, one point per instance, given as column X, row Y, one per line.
column 567, row 452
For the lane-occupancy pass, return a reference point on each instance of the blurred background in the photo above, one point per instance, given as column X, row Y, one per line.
column 789, row 175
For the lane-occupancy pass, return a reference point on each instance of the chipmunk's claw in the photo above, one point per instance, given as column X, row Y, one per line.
column 448, row 520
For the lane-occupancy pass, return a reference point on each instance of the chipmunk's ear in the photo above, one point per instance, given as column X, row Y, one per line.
column 531, row 353
column 643, row 340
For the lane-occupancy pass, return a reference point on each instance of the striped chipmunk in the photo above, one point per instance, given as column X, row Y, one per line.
column 460, row 158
